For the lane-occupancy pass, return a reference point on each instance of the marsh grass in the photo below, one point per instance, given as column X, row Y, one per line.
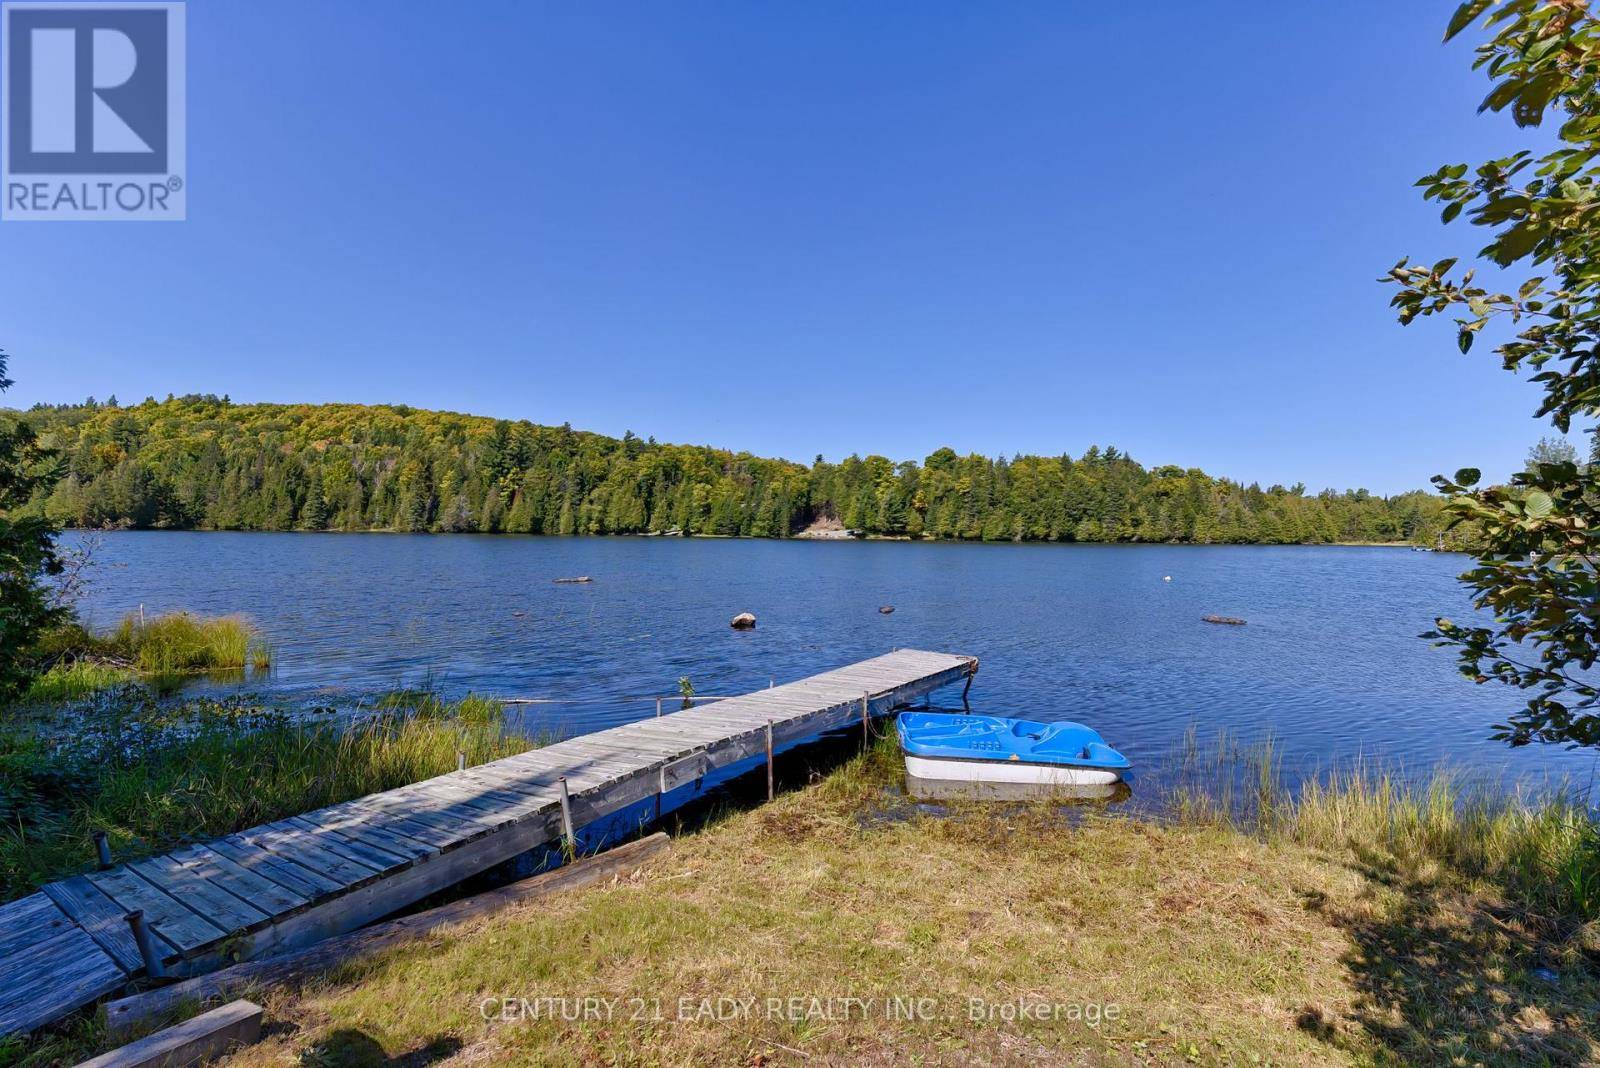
column 75, row 681
column 1542, row 850
column 163, row 651
column 181, row 642
column 155, row 773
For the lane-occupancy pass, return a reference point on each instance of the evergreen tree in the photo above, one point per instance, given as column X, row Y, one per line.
column 27, row 546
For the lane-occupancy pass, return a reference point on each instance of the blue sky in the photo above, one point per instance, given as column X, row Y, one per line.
column 810, row 228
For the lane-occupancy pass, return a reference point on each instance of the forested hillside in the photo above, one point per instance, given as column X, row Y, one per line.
column 204, row 462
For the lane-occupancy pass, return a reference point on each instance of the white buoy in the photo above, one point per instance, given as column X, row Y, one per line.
column 1166, row 578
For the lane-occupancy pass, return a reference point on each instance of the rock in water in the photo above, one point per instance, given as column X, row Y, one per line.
column 580, row 578
column 887, row 609
column 1229, row 621
column 743, row 621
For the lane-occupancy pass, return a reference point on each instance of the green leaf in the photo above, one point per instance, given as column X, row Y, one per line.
column 1501, row 95
column 1464, row 340
column 1464, row 15
column 1538, row 504
column 1467, row 476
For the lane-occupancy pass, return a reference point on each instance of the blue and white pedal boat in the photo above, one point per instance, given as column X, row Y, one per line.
column 941, row 746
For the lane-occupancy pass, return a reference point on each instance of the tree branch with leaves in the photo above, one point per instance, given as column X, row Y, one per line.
column 1540, row 532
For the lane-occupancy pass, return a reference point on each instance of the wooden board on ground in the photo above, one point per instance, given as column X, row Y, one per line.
column 196, row 1041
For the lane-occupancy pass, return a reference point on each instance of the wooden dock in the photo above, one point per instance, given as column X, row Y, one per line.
column 287, row 884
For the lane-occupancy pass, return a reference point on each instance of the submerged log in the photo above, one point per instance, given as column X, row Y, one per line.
column 743, row 621
column 580, row 578
column 1228, row 621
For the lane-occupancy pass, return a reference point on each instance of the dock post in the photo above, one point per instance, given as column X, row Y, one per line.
column 658, row 708
column 769, row 760
column 146, row 943
column 461, row 761
column 866, row 729
column 102, row 849
column 566, row 818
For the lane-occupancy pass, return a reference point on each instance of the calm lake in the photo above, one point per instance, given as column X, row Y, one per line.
column 1330, row 664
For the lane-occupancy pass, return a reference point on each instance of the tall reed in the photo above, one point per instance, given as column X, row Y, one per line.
column 152, row 774
column 1543, row 849
column 181, row 642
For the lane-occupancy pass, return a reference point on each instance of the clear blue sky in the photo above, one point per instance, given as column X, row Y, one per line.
column 804, row 228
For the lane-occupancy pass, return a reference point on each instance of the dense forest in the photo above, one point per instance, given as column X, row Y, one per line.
column 205, row 462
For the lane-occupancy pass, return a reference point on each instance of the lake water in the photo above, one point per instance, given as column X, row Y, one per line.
column 1329, row 664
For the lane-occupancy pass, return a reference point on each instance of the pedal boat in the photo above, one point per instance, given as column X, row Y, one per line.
column 941, row 746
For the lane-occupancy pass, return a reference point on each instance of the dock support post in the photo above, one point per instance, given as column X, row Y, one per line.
column 566, row 819
column 769, row 761
column 866, row 729
column 102, row 850
column 461, row 761
column 658, row 708
column 146, row 943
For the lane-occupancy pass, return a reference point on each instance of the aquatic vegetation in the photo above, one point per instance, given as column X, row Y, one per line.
column 153, row 773
column 181, row 642
column 74, row 681
column 1542, row 849
column 71, row 662
column 1544, row 852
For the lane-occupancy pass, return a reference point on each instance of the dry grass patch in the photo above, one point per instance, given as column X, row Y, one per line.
column 1201, row 939
column 1155, row 942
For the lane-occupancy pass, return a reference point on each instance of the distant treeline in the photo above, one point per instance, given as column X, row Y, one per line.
column 203, row 462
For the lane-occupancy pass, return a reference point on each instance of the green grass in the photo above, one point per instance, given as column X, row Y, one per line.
column 180, row 642
column 75, row 681
column 163, row 651
column 1280, row 942
column 1543, row 853
column 154, row 773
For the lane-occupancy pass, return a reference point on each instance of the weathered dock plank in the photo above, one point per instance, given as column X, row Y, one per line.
column 224, row 911
column 169, row 918
column 103, row 919
column 239, row 881
column 288, row 884
column 285, row 873
column 47, row 979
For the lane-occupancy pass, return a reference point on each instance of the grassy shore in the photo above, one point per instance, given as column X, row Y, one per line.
column 1362, row 924
column 154, row 772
